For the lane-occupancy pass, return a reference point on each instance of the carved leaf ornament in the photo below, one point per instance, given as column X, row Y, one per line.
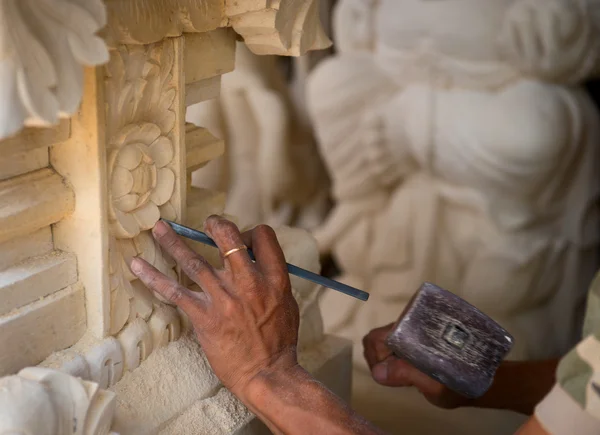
column 141, row 179
column 44, row 45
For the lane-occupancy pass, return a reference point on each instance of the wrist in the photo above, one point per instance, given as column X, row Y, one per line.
column 283, row 372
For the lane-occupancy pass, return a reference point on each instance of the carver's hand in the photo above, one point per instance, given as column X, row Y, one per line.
column 246, row 319
column 390, row 371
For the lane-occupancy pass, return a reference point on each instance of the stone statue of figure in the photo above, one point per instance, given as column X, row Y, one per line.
column 463, row 152
column 271, row 168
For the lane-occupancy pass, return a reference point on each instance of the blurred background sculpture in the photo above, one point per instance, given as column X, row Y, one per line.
column 462, row 151
column 271, row 168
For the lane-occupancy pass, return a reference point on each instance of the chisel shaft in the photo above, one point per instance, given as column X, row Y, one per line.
column 201, row 237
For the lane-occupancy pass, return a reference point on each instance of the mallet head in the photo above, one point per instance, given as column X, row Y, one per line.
column 450, row 340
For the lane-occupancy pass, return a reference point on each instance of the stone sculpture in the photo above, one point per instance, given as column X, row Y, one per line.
column 271, row 169
column 47, row 402
column 462, row 152
column 41, row 67
column 79, row 197
column 464, row 155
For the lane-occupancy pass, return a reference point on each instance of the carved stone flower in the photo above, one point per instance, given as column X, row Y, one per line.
column 140, row 181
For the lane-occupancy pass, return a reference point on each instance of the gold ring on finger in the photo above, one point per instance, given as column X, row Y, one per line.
column 231, row 251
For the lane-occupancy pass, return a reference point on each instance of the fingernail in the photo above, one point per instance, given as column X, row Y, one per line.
column 206, row 224
column 380, row 372
column 207, row 231
column 160, row 229
column 136, row 265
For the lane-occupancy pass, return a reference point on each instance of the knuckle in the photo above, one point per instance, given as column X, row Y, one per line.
column 170, row 243
column 253, row 284
column 229, row 307
column 152, row 282
column 220, row 226
column 174, row 292
column 195, row 265
column 248, row 279
column 281, row 281
column 171, row 293
column 164, row 288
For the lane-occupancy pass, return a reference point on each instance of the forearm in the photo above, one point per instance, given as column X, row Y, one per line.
column 293, row 402
column 519, row 386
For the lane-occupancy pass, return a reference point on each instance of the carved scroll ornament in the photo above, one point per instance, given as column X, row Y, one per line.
column 45, row 44
column 280, row 27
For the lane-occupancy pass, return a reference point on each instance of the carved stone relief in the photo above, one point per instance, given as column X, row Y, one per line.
column 143, row 169
column 116, row 167
column 148, row 21
column 286, row 28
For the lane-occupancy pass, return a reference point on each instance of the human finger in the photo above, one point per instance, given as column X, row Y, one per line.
column 395, row 372
column 168, row 288
column 229, row 241
column 268, row 253
column 193, row 265
column 375, row 348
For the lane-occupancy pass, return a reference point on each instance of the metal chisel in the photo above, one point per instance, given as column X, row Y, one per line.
column 201, row 237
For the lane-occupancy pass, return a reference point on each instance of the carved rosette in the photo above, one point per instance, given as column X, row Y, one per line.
column 140, row 182
column 142, row 170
